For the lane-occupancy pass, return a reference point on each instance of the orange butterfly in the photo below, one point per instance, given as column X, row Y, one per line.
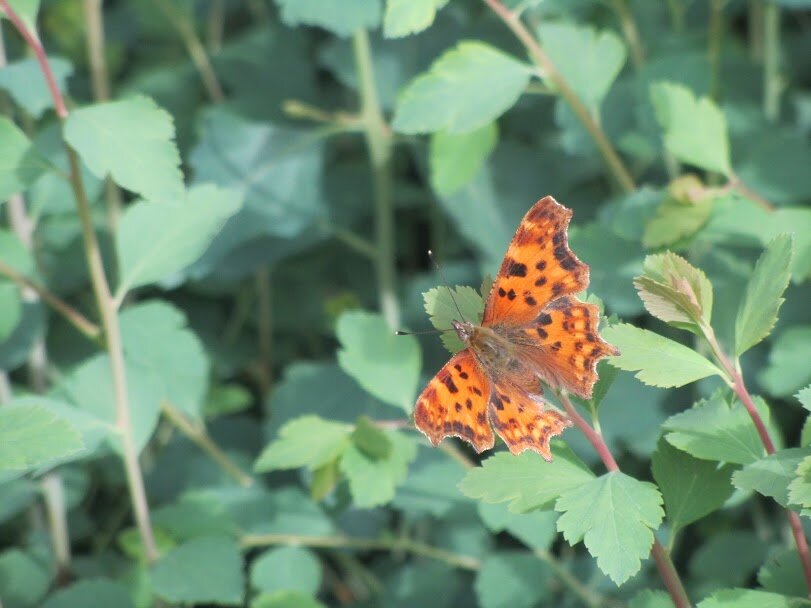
column 533, row 329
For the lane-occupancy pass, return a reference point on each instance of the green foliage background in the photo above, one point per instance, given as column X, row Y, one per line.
column 205, row 252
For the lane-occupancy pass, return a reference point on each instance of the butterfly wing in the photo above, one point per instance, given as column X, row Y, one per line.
column 538, row 267
column 522, row 422
column 563, row 346
column 455, row 404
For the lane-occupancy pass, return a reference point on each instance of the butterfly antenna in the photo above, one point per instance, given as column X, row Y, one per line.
column 445, row 282
column 422, row 333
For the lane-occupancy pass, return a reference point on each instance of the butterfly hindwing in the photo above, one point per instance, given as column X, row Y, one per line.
column 455, row 404
column 538, row 267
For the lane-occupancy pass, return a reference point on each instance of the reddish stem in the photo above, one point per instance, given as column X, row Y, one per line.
column 32, row 40
column 667, row 570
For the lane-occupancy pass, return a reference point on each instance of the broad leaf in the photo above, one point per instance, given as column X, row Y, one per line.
column 746, row 598
column 24, row 82
column 615, row 516
column 757, row 313
column 526, row 481
column 714, row 430
column 386, row 365
column 132, row 141
column 692, row 488
column 372, row 482
column 788, row 370
column 341, row 17
column 592, row 68
column 307, row 441
column 455, row 159
column 440, row 98
column 695, row 130
column 511, row 578
column 178, row 234
column 804, row 397
column 20, row 164
column 24, row 580
column 205, row 570
column 286, row 568
column 92, row 593
column 404, row 17
column 657, row 360
column 285, row 599
column 771, row 475
column 439, row 304
column 799, row 489
column 651, row 599
column 31, row 435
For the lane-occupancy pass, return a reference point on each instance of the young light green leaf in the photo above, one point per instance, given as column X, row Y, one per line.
column 132, row 141
column 386, row 365
column 341, row 17
column 98, row 593
column 674, row 221
column 695, row 130
column 441, row 311
column 371, row 439
column 26, row 10
column 592, row 69
column 526, row 481
column 615, row 516
column 456, row 158
column 32, row 435
column 746, row 598
column 511, row 578
column 20, row 164
column 308, row 441
column 204, row 570
column 440, row 98
column 771, row 476
column 691, row 488
column 657, row 360
column 404, row 17
column 804, row 397
column 373, row 482
column 714, row 430
column 178, row 234
column 291, row 568
column 799, row 489
column 24, row 82
column 757, row 313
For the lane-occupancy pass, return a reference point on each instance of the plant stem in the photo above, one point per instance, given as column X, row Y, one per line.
column 73, row 316
column 667, row 570
column 630, row 31
column 542, row 60
column 756, row 29
column 586, row 595
column 264, row 314
column 198, row 435
column 379, row 144
column 371, row 544
column 772, row 81
column 715, row 37
column 216, row 24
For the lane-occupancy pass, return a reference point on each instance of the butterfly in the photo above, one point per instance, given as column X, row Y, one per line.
column 533, row 329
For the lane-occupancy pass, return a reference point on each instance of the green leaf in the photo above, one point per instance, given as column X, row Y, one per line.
column 371, row 439
column 799, row 488
column 341, row 17
column 536, row 529
column 224, row 399
column 27, row 10
column 307, row 441
column 770, row 476
column 441, row 310
column 373, row 482
column 286, row 568
column 757, row 313
column 404, row 17
column 203, row 570
column 657, row 360
column 24, row 581
column 804, row 397
column 695, row 130
column 178, row 234
column 455, row 159
column 157, row 340
column 24, row 82
column 692, row 488
column 99, row 593
column 526, row 481
column 615, row 516
column 746, row 598
column 727, row 558
column 788, row 369
column 714, row 430
column 782, row 573
column 20, row 164
column 11, row 309
column 32, row 435
column 285, row 599
column 593, row 67
column 386, row 365
column 431, row 485
column 440, row 98
column 675, row 291
column 510, row 578
column 132, row 141
column 674, row 221
column 651, row 599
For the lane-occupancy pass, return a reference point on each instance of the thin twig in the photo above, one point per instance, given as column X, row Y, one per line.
column 630, row 31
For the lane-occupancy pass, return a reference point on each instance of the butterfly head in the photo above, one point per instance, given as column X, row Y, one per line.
column 464, row 329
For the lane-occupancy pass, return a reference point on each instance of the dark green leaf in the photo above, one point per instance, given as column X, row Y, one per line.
column 24, row 581
column 371, row 439
column 745, row 598
column 100, row 593
column 511, row 579
column 286, row 568
column 788, row 370
column 771, row 475
column 20, row 163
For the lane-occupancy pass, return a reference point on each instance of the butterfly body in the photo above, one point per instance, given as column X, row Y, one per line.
column 533, row 329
